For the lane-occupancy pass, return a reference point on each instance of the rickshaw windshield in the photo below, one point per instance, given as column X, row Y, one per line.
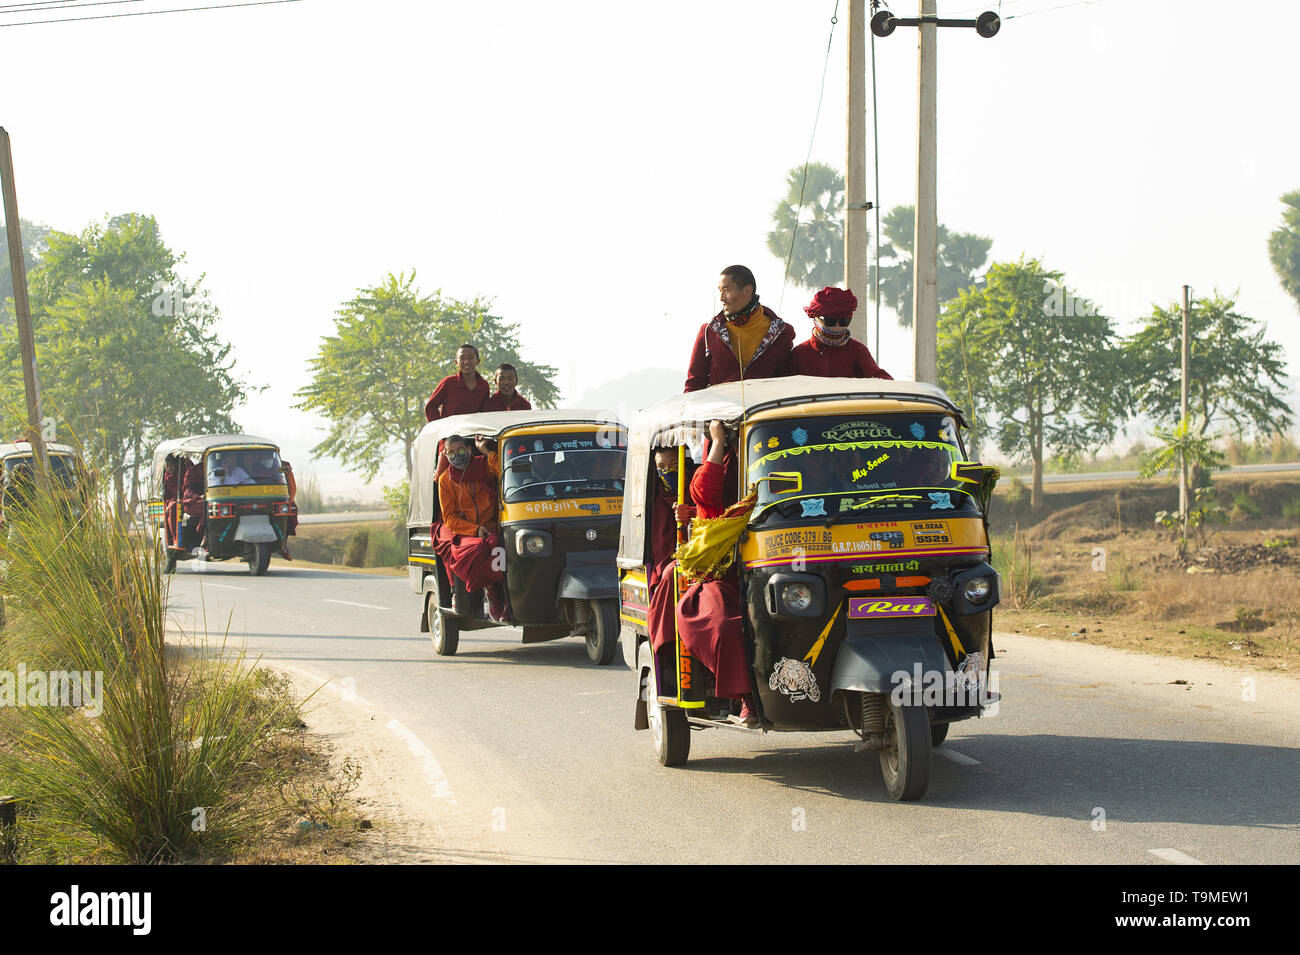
column 244, row 466
column 539, row 467
column 867, row 464
column 62, row 466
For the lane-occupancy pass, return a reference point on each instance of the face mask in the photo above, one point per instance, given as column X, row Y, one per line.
column 668, row 478
column 459, row 459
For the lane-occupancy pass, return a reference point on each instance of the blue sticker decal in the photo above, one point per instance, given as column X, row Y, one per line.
column 942, row 500
column 799, row 436
column 918, row 430
column 813, row 507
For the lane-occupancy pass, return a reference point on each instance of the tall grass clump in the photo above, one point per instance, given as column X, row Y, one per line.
column 148, row 767
column 1013, row 558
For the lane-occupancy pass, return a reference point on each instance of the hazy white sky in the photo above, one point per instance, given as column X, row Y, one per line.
column 593, row 165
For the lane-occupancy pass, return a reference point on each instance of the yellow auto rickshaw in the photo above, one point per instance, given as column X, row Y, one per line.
column 861, row 554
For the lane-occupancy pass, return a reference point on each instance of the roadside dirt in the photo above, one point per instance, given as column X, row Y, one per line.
column 1094, row 567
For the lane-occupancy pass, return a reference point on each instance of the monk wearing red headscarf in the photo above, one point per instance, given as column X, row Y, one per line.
column 468, row 539
column 832, row 352
column 707, row 615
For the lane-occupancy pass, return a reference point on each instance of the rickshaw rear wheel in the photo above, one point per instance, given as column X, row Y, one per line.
column 444, row 630
column 669, row 730
column 169, row 563
column 602, row 637
column 905, row 759
column 938, row 733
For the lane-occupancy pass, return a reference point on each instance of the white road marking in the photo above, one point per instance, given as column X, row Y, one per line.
column 432, row 771
column 1174, row 856
column 351, row 603
column 222, row 586
column 959, row 758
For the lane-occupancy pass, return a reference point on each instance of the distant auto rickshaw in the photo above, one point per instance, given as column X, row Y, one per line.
column 220, row 497
column 18, row 469
column 558, row 494
column 865, row 588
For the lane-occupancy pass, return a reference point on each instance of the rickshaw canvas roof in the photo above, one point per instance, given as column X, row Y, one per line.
column 9, row 450
column 424, row 456
column 684, row 419
column 201, row 444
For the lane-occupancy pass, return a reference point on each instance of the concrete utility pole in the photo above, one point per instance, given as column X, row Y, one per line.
column 1184, row 487
column 22, row 310
column 925, row 250
column 855, row 170
column 925, row 253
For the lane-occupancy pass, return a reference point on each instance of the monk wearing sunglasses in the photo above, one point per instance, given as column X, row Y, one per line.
column 832, row 352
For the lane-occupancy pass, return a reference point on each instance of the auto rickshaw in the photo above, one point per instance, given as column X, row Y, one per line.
column 229, row 501
column 17, row 464
column 863, row 567
column 559, row 494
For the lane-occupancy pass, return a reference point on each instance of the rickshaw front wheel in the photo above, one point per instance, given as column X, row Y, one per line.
column 259, row 558
column 905, row 758
column 602, row 637
column 668, row 727
column 444, row 630
column 938, row 733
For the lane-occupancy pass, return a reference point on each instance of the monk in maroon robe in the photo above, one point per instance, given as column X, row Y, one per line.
column 461, row 393
column 832, row 352
column 707, row 615
column 468, row 539
column 744, row 340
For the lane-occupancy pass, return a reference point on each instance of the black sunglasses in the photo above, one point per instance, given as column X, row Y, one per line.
column 836, row 322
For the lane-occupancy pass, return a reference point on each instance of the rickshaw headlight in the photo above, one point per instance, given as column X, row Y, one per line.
column 533, row 544
column 977, row 591
column 797, row 597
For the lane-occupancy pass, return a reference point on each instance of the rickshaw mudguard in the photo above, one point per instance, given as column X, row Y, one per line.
column 871, row 654
column 588, row 575
column 256, row 529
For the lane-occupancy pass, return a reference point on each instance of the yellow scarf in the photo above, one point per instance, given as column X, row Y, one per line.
column 745, row 338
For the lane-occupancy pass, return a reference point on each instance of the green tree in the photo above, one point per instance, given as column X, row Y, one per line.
column 961, row 256
column 815, row 248
column 1284, row 246
column 126, row 348
column 1234, row 374
column 33, row 237
column 1046, row 379
column 391, row 345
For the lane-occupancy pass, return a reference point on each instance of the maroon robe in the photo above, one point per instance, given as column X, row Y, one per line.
column 451, row 397
column 499, row 402
column 850, row 360
column 714, row 363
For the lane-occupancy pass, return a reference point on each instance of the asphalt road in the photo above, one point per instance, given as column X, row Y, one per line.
column 527, row 753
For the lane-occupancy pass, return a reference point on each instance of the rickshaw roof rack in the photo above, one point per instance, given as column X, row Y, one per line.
column 24, row 447
column 424, row 456
column 495, row 423
column 732, row 401
column 201, row 444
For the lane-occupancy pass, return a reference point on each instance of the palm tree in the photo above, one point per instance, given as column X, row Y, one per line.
column 961, row 257
column 1284, row 246
column 810, row 233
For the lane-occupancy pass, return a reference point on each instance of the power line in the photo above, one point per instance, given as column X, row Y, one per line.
column 149, row 13
column 57, row 6
column 821, row 93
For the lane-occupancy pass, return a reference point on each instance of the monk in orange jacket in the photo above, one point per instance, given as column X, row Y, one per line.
column 469, row 540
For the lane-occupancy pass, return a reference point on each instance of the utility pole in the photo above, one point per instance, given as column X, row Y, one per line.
column 22, row 310
column 855, row 170
column 925, row 251
column 1184, row 487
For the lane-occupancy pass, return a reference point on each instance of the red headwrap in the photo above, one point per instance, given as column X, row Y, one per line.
column 832, row 302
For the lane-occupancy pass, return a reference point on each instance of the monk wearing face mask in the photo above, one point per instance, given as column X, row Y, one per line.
column 468, row 540
column 832, row 352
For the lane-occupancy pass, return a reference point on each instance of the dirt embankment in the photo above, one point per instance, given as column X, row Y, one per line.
column 1095, row 566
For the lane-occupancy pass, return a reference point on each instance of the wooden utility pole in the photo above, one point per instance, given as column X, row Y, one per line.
column 22, row 310
column 855, row 170
column 1184, row 487
column 925, row 254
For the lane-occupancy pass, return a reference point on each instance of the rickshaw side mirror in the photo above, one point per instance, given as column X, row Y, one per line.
column 219, row 472
column 783, row 482
column 970, row 472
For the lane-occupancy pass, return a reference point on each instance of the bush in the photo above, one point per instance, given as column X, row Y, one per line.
column 147, row 768
column 1291, row 508
column 1243, row 507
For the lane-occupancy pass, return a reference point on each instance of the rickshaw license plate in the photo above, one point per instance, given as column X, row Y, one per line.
column 876, row 608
